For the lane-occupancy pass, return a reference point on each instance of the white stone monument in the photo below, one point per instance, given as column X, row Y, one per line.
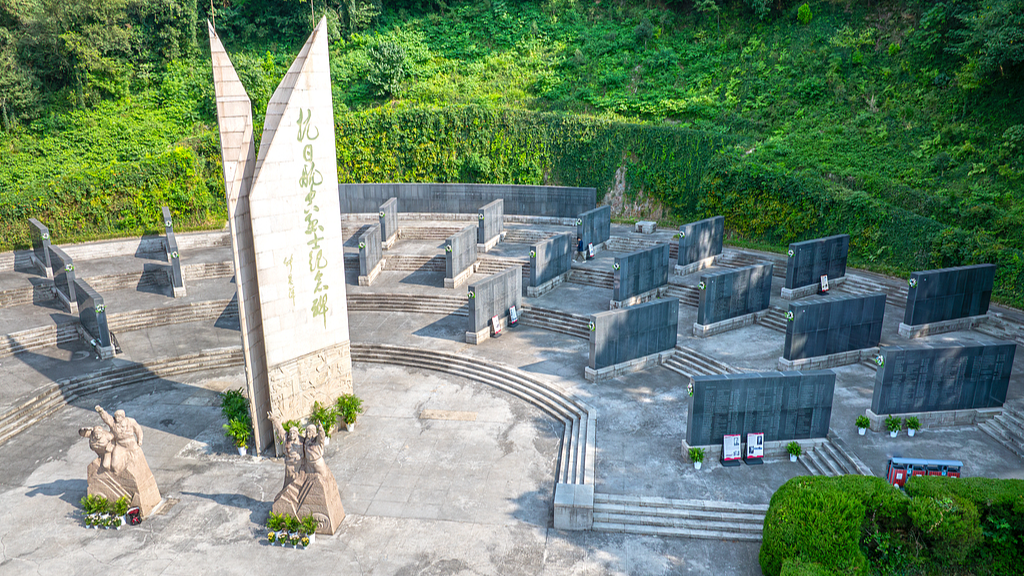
column 284, row 217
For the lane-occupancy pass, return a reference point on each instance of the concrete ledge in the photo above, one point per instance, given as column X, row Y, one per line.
column 485, row 333
column 954, row 325
column 705, row 330
column 486, row 246
column 179, row 291
column 695, row 266
column 390, row 242
column 574, row 506
column 810, row 289
column 634, row 365
column 775, row 450
column 639, row 298
column 535, row 291
column 369, row 278
column 460, row 278
column 937, row 418
column 828, row 361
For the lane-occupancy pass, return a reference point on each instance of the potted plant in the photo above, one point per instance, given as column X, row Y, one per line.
column 306, row 541
column 795, row 451
column 325, row 416
column 697, row 455
column 94, row 507
column 271, row 537
column 294, row 525
column 239, row 432
column 121, row 511
column 276, row 525
column 913, row 425
column 308, row 530
column 348, row 406
column 863, row 423
column 893, row 425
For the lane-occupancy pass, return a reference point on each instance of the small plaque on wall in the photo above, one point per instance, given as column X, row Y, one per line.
column 731, row 451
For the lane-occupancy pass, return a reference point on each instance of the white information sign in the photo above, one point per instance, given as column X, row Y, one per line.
column 513, row 316
column 755, row 445
column 496, row 325
column 731, row 447
column 824, row 282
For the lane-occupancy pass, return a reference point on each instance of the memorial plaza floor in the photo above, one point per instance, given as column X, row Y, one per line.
column 443, row 474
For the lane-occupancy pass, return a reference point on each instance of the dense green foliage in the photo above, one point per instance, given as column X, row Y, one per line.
column 818, row 526
column 897, row 121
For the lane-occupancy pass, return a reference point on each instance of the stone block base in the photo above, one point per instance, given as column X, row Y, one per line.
column 574, row 506
column 535, row 291
column 104, row 352
column 460, row 278
column 695, row 266
column 810, row 289
column 645, row 227
column 179, row 291
column 486, row 246
column 369, row 278
column 705, row 330
column 390, row 242
column 955, row 325
column 828, row 361
column 937, row 418
column 639, row 298
column 775, row 450
column 634, row 365
column 485, row 333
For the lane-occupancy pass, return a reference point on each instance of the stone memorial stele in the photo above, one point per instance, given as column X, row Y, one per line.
column 286, row 237
column 120, row 468
column 309, row 485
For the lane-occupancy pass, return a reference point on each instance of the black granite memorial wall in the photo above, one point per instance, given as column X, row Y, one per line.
column 92, row 312
column 833, row 324
column 493, row 296
column 640, row 271
column 459, row 251
column 557, row 201
column 550, row 258
column 370, row 250
column 63, row 273
column 633, row 332
column 730, row 293
column 810, row 260
column 171, row 245
column 388, row 215
column 782, row 405
column 948, row 294
column 594, row 226
column 41, row 245
column 490, row 221
column 700, row 240
column 927, row 378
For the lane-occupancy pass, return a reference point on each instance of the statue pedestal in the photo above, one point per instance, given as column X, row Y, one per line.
column 135, row 481
column 313, row 494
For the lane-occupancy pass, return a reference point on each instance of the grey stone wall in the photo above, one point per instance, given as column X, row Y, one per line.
column 459, row 251
column 92, row 312
column 700, row 240
column 831, row 324
column 731, row 293
column 63, row 273
column 173, row 256
column 40, row 242
column 551, row 258
column 388, row 214
column 949, row 293
column 782, row 405
column 493, row 296
column 559, row 201
column 811, row 259
column 927, row 378
column 370, row 250
column 490, row 221
column 640, row 272
column 626, row 333
column 594, row 226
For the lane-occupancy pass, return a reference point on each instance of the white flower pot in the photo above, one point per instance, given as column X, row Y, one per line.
column 911, row 432
column 792, row 457
column 327, row 441
column 350, row 427
column 241, row 450
column 696, row 465
column 281, row 538
column 312, row 538
column 893, row 433
column 862, row 431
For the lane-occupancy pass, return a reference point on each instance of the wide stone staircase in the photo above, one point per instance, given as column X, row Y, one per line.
column 774, row 319
column 832, row 458
column 703, row 519
column 493, row 264
column 526, row 236
column 591, row 277
column 567, row 323
column 736, row 259
column 412, row 263
column 1008, row 427
column 895, row 295
column 411, row 303
column 689, row 362
column 688, row 295
column 438, row 233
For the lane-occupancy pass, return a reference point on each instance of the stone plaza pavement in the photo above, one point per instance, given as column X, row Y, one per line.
column 463, row 488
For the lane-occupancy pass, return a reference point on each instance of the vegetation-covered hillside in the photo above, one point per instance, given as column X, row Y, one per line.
column 901, row 123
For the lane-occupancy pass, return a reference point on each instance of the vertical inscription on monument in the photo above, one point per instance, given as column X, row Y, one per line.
column 308, row 182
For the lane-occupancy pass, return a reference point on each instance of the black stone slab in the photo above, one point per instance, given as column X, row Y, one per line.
column 493, row 296
column 640, row 271
column 700, row 240
column 594, row 226
column 927, row 378
column 388, row 218
column 556, row 201
column 63, row 273
column 949, row 293
column 782, row 405
column 490, row 221
column 833, row 324
column 809, row 260
column 41, row 245
column 550, row 258
column 92, row 312
column 459, row 251
column 370, row 250
column 635, row 331
column 730, row 293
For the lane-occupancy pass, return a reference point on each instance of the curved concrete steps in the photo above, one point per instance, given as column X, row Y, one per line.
column 577, row 453
column 689, row 362
column 703, row 519
column 567, row 323
column 60, row 393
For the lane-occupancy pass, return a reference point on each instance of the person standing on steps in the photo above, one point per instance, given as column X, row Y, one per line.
column 580, row 249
